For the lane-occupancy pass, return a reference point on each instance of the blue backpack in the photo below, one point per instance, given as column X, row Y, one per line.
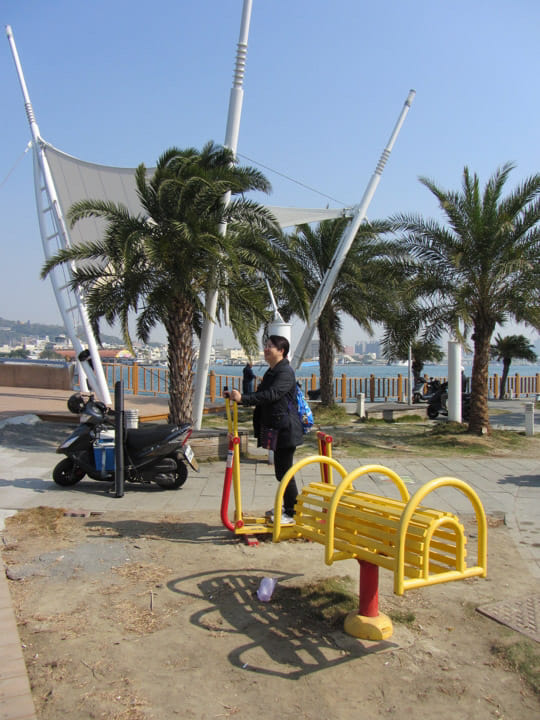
column 304, row 411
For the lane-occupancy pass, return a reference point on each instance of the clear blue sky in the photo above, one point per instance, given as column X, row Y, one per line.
column 118, row 81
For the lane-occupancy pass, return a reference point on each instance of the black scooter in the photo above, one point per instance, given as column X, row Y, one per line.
column 438, row 404
column 156, row 453
column 421, row 394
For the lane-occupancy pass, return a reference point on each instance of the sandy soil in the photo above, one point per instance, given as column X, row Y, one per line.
column 132, row 619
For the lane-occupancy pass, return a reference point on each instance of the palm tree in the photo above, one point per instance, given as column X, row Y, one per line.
column 422, row 352
column 158, row 264
column 506, row 349
column 402, row 332
column 481, row 268
column 362, row 290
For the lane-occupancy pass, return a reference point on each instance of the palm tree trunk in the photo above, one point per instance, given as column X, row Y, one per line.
column 506, row 370
column 179, row 323
column 479, row 419
column 417, row 366
column 326, row 366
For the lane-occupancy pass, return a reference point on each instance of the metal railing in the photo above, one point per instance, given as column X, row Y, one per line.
column 151, row 380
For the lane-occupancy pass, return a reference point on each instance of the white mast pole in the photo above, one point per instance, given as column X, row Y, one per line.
column 409, row 377
column 454, row 381
column 95, row 375
column 231, row 142
column 346, row 241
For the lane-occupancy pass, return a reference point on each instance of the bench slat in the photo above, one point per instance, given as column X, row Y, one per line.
column 366, row 526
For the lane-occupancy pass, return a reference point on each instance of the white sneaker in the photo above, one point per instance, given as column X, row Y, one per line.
column 285, row 519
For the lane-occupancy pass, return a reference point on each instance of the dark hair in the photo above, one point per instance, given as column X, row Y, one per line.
column 281, row 343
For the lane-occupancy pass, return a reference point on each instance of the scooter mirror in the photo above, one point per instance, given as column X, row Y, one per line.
column 92, row 413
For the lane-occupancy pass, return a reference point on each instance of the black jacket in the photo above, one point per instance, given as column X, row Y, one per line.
column 275, row 405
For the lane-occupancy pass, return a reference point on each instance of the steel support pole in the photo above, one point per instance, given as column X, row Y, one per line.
column 231, row 142
column 347, row 240
column 369, row 589
column 95, row 374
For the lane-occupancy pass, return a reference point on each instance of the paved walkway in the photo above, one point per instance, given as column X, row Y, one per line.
column 508, row 487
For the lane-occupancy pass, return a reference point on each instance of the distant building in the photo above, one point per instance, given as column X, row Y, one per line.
column 363, row 347
column 359, row 347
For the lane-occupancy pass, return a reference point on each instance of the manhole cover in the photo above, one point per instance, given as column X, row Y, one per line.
column 521, row 615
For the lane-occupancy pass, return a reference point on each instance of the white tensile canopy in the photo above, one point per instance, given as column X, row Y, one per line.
column 77, row 180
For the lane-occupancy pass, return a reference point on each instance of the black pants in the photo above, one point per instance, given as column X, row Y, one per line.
column 283, row 460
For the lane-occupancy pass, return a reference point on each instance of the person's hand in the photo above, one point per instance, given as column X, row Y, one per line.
column 235, row 395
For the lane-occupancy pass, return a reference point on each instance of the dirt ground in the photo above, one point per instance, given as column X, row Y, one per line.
column 131, row 619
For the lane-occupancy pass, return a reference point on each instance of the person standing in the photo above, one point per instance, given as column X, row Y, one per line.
column 248, row 378
column 275, row 411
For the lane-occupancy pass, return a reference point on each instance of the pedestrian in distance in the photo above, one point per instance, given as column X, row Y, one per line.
column 276, row 423
column 248, row 378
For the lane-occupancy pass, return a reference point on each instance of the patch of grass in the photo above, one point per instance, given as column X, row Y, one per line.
column 325, row 601
column 429, row 440
column 333, row 415
column 373, row 421
column 215, row 420
column 522, row 657
column 454, row 436
column 410, row 434
column 448, row 429
column 404, row 419
column 219, row 419
column 400, row 419
column 402, row 617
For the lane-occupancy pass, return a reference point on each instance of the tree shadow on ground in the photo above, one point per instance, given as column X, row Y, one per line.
column 283, row 638
column 167, row 529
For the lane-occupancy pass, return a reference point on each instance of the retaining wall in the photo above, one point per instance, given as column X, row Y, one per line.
column 49, row 377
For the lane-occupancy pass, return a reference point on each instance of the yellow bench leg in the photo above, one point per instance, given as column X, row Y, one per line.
column 368, row 628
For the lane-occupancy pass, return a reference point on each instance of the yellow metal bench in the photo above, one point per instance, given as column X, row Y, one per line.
column 420, row 545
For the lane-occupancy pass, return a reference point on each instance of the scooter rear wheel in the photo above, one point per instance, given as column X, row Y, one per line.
column 173, row 482
column 66, row 473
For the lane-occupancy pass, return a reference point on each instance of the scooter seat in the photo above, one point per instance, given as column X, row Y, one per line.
column 138, row 439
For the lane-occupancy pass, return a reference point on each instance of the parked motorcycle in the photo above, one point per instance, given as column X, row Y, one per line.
column 424, row 390
column 155, row 453
column 438, row 404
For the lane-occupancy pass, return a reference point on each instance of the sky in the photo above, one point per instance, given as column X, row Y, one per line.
column 119, row 81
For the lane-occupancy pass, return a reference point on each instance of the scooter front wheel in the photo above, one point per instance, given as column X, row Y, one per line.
column 432, row 412
column 66, row 473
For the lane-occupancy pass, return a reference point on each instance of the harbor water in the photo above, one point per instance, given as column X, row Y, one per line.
column 152, row 380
